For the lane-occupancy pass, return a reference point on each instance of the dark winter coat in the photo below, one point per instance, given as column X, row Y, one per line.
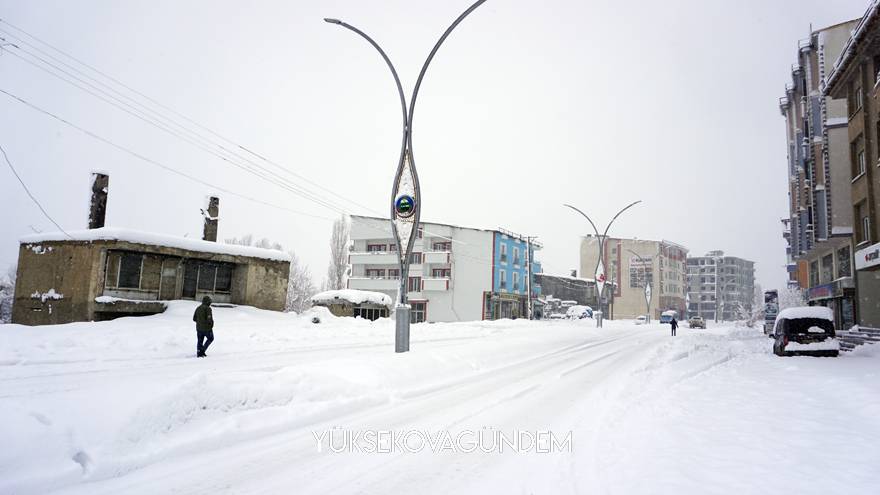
column 674, row 324
column 203, row 317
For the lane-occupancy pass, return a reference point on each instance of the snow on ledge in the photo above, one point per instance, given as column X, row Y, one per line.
column 150, row 238
column 353, row 296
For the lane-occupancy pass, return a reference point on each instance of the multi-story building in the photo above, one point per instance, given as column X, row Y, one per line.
column 854, row 79
column 720, row 287
column 820, row 226
column 629, row 265
column 456, row 273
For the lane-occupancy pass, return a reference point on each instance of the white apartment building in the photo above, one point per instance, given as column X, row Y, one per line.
column 456, row 273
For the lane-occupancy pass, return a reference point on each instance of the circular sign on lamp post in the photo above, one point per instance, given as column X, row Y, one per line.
column 405, row 205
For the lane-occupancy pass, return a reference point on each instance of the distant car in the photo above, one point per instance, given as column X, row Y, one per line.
column 807, row 330
column 697, row 322
column 579, row 312
column 667, row 316
column 557, row 316
column 641, row 320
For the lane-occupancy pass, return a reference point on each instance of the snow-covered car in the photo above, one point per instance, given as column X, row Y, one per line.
column 697, row 322
column 807, row 330
column 578, row 312
column 641, row 320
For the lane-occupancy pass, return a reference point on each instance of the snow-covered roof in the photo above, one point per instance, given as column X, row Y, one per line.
column 353, row 296
column 154, row 239
column 819, row 312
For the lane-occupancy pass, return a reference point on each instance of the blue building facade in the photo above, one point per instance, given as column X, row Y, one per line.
column 511, row 257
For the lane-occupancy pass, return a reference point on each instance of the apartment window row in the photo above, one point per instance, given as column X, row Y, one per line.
column 392, row 273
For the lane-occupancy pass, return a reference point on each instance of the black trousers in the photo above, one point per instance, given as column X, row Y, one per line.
column 673, row 331
column 206, row 336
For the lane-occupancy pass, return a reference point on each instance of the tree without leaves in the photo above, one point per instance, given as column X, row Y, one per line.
column 7, row 294
column 337, row 271
column 300, row 287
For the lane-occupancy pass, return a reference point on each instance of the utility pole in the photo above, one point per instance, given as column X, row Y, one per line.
column 529, row 275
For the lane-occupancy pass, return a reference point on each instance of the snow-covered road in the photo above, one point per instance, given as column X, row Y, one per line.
column 123, row 407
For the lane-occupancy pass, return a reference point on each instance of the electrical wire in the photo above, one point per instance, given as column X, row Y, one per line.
column 151, row 161
column 28, row 191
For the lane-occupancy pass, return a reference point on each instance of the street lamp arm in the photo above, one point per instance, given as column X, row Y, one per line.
column 588, row 219
column 384, row 57
column 412, row 101
column 618, row 214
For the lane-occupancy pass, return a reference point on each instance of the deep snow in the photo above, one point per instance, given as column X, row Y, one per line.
column 124, row 407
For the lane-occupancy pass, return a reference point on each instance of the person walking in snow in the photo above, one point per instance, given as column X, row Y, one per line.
column 674, row 324
column 204, row 319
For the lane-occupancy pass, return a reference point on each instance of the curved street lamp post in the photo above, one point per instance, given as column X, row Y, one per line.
column 405, row 194
column 600, row 266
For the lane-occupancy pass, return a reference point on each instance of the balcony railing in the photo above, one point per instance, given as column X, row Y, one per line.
column 373, row 258
column 435, row 284
column 367, row 283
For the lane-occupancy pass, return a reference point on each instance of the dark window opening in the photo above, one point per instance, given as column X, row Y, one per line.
column 190, row 279
column 130, row 271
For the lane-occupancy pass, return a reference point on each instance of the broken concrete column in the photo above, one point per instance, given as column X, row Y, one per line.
column 211, row 217
column 98, row 204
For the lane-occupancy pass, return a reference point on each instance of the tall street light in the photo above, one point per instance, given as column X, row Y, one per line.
column 647, row 283
column 405, row 193
column 600, row 266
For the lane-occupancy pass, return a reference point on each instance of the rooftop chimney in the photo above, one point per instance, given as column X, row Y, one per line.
column 210, row 232
column 98, row 204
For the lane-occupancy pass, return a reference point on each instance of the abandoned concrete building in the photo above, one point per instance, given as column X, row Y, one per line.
column 104, row 273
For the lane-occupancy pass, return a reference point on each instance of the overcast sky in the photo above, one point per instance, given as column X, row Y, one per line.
column 526, row 106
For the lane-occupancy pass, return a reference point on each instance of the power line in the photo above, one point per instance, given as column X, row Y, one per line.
column 262, row 173
column 150, row 160
column 28, row 191
column 155, row 102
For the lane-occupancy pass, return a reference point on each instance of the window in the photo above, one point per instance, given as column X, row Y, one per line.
column 503, row 253
column 814, row 273
column 374, row 273
column 418, row 311
column 375, row 248
column 843, row 262
column 394, row 273
column 371, row 314
column 515, row 255
column 421, row 233
column 827, row 269
column 392, row 248
column 442, row 246
column 130, row 271
column 502, row 279
column 515, row 281
column 415, row 284
column 224, row 278
column 861, row 162
column 207, row 275
column 415, row 258
column 190, row 279
column 864, row 223
column 441, row 272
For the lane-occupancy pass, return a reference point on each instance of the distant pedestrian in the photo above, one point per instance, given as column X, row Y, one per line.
column 674, row 324
column 204, row 319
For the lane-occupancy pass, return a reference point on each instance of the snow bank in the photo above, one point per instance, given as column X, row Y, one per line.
column 154, row 239
column 353, row 296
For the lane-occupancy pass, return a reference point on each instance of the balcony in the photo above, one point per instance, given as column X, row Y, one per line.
column 374, row 258
column 437, row 257
column 375, row 284
column 435, row 284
